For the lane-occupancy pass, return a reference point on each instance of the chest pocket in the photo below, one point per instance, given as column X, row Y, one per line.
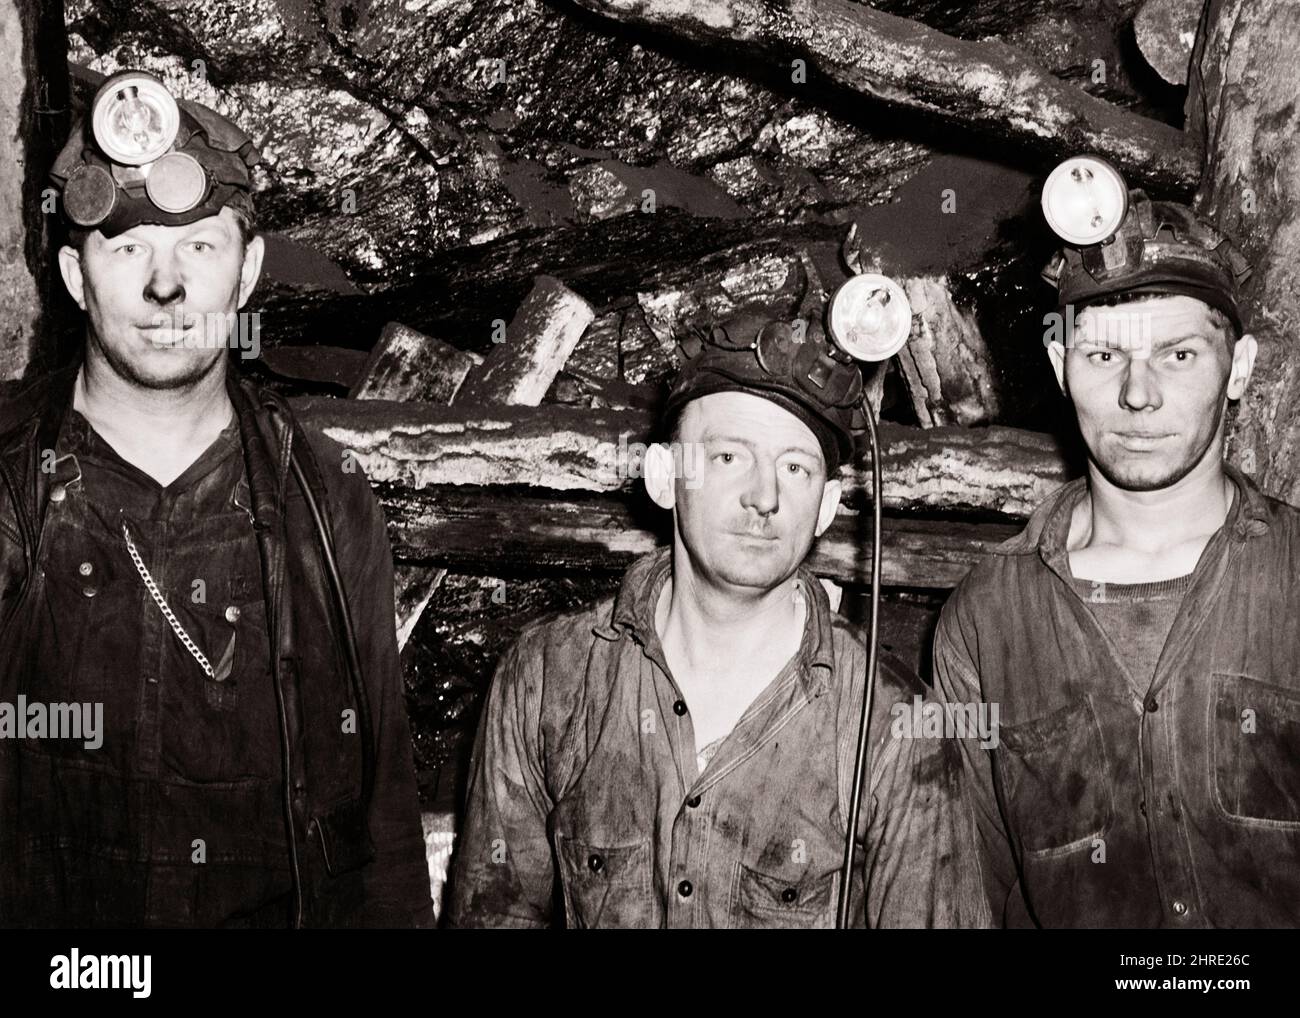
column 81, row 639
column 760, row 899
column 1055, row 783
column 605, row 886
column 229, row 624
column 1255, row 751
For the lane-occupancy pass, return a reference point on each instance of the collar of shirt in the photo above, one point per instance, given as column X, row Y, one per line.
column 78, row 437
column 634, row 611
column 1049, row 526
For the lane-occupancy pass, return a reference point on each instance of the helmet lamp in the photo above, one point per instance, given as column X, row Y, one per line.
column 870, row 317
column 134, row 118
column 1085, row 200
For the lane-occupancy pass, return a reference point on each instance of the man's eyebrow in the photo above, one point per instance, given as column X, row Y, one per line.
column 1107, row 341
column 724, row 436
column 1183, row 337
column 709, row 436
column 191, row 229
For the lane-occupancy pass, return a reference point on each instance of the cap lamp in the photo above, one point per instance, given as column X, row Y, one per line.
column 1085, row 200
column 134, row 118
column 870, row 317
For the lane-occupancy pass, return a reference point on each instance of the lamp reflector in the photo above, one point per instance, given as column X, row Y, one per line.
column 870, row 317
column 1085, row 200
column 135, row 118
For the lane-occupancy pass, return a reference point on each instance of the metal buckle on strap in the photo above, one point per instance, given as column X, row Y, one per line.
column 242, row 491
column 63, row 478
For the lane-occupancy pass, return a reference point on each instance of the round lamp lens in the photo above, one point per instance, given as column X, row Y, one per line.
column 870, row 317
column 1085, row 200
column 135, row 119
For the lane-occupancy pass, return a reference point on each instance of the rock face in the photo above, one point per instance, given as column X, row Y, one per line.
column 426, row 160
column 33, row 122
column 404, row 140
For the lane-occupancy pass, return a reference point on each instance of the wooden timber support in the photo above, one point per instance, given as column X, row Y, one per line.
column 557, row 486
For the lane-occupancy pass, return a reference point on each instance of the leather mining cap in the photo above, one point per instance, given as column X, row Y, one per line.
column 1160, row 247
column 206, row 167
column 802, row 374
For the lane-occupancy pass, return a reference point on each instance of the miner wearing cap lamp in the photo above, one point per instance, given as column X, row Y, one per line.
column 681, row 754
column 1139, row 633
column 197, row 576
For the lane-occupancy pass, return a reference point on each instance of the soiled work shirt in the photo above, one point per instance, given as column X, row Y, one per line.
column 586, row 805
column 177, row 818
column 1116, row 801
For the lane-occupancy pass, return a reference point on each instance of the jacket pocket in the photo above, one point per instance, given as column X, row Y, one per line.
column 85, row 626
column 604, row 885
column 761, row 899
column 343, row 836
column 1255, row 751
column 1055, row 783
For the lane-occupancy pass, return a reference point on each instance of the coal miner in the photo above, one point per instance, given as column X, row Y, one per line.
column 681, row 754
column 176, row 549
column 1139, row 634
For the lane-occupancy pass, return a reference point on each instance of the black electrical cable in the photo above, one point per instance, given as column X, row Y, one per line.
column 861, row 763
column 349, row 639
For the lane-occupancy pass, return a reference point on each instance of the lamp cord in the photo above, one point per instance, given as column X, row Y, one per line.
column 861, row 762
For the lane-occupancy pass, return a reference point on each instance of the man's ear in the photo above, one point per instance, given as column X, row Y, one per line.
column 831, row 493
column 251, row 270
column 660, row 475
column 70, row 270
column 1056, row 353
column 1243, row 363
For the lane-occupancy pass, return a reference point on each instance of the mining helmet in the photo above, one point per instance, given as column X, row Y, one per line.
column 143, row 156
column 789, row 363
column 1118, row 241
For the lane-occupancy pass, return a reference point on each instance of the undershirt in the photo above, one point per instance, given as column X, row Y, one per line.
column 703, row 754
column 1137, row 617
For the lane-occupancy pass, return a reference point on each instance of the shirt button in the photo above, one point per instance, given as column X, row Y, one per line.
column 85, row 569
column 1152, row 705
column 693, row 801
column 89, row 591
column 1142, row 807
column 1180, row 908
column 789, row 895
column 58, row 493
column 595, row 863
column 679, row 708
column 232, row 613
column 685, row 888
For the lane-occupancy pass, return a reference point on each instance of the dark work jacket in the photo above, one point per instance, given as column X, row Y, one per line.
column 348, row 802
column 585, row 779
column 1111, row 802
